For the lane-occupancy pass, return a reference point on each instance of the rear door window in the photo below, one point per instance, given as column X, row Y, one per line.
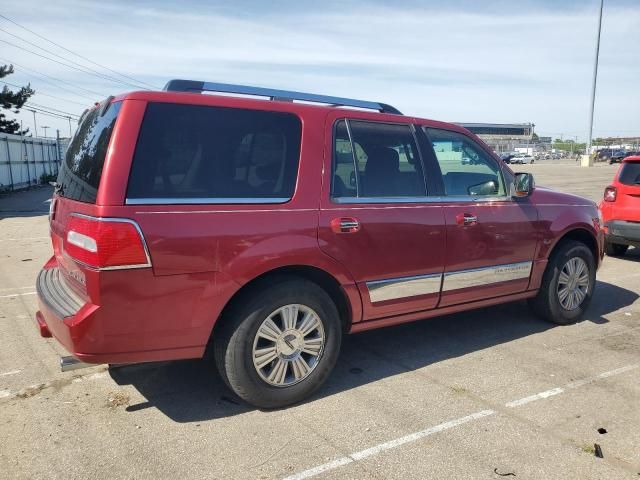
column 201, row 154
column 630, row 173
column 80, row 173
column 373, row 160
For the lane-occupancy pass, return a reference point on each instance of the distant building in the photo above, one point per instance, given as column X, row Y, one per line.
column 503, row 137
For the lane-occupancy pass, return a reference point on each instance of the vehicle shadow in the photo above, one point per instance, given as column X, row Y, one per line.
column 192, row 390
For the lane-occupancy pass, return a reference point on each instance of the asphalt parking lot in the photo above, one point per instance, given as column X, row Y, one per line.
column 494, row 393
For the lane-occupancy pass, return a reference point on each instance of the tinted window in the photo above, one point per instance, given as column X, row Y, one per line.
column 208, row 153
column 379, row 160
column 81, row 170
column 630, row 173
column 466, row 168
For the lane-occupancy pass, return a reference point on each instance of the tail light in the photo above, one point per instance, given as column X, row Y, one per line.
column 610, row 194
column 106, row 243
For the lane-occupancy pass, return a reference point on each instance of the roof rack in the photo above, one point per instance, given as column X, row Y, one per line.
column 273, row 94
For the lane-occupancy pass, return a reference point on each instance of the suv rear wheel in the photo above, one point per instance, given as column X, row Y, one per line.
column 615, row 249
column 567, row 284
column 279, row 346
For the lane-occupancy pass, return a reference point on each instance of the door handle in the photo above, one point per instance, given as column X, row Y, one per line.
column 345, row 225
column 466, row 219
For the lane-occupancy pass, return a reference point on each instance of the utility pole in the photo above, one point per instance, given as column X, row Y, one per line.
column 586, row 160
column 35, row 125
column 70, row 132
column 45, row 127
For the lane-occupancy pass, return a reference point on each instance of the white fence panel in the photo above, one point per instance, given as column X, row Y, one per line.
column 24, row 160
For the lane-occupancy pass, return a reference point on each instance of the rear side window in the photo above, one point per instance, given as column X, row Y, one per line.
column 200, row 154
column 630, row 173
column 81, row 170
column 467, row 170
column 374, row 160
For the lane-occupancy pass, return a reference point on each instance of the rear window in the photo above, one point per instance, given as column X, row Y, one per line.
column 200, row 154
column 80, row 173
column 630, row 173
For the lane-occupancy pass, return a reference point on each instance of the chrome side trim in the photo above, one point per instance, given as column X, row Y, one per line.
column 204, row 201
column 433, row 199
column 395, row 288
column 485, row 276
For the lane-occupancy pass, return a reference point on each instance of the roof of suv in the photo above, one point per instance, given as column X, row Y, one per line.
column 186, row 91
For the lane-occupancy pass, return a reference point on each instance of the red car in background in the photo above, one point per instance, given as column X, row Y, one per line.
column 265, row 229
column 620, row 209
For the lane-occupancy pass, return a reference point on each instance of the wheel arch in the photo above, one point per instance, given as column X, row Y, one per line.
column 326, row 281
column 582, row 235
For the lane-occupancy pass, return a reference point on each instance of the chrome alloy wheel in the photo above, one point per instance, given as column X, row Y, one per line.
column 573, row 283
column 288, row 345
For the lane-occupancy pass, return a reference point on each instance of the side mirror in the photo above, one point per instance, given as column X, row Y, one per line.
column 523, row 185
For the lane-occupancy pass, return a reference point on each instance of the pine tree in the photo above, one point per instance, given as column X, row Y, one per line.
column 10, row 100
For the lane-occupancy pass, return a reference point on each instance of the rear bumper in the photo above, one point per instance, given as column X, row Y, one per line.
column 139, row 318
column 623, row 233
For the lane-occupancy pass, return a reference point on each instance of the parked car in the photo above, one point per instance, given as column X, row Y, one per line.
column 262, row 231
column 620, row 209
column 522, row 158
column 506, row 157
column 617, row 156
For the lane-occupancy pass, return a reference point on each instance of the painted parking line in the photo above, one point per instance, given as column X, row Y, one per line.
column 29, row 287
column 412, row 437
column 21, row 239
column 533, row 398
column 13, row 295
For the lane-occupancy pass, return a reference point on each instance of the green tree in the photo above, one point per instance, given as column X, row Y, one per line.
column 13, row 101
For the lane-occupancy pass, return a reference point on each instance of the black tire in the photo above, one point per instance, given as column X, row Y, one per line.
column 233, row 342
column 546, row 304
column 615, row 249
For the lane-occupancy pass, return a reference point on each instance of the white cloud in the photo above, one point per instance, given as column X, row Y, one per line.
column 500, row 64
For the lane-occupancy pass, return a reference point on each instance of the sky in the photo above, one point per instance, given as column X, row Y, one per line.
column 460, row 60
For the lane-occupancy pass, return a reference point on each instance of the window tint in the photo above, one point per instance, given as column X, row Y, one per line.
column 199, row 152
column 630, row 173
column 380, row 160
column 81, row 170
column 466, row 168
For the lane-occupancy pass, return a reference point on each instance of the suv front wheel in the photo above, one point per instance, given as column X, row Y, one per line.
column 567, row 284
column 280, row 344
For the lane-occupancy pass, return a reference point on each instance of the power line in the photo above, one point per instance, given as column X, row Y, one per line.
column 31, row 104
column 101, row 95
column 51, row 59
column 45, row 94
column 77, row 54
column 50, row 114
column 86, row 69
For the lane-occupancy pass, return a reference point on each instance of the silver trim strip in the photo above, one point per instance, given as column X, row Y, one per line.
column 395, row 288
column 485, row 276
column 204, row 201
column 122, row 220
column 441, row 199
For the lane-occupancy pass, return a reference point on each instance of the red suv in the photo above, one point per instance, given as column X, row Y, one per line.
column 620, row 208
column 265, row 229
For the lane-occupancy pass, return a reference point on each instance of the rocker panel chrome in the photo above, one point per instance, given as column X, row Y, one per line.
column 403, row 287
column 485, row 276
column 394, row 288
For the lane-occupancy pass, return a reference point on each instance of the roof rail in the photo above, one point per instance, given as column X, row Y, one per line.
column 273, row 94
